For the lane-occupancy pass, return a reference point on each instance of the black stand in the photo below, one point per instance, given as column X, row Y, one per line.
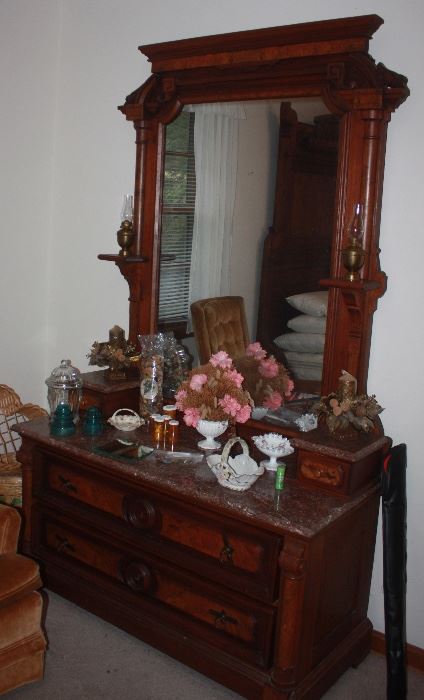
column 394, row 569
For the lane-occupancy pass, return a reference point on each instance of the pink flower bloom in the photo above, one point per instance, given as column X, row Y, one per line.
column 243, row 414
column 221, row 359
column 290, row 387
column 229, row 405
column 255, row 350
column 197, row 381
column 234, row 377
column 191, row 416
column 179, row 398
column 268, row 368
column 273, row 400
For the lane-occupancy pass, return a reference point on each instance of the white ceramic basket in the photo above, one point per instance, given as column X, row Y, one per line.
column 237, row 473
column 130, row 420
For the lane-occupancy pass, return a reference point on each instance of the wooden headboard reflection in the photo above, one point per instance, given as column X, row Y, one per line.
column 297, row 250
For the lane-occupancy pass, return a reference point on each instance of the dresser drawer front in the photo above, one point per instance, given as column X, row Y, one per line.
column 243, row 559
column 221, row 617
column 67, row 481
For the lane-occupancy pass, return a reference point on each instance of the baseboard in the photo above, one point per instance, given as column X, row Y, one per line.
column 414, row 655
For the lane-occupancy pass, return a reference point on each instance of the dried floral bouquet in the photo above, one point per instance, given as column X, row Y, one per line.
column 214, row 392
column 340, row 412
column 265, row 379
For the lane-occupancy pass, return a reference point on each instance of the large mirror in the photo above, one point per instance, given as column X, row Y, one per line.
column 322, row 63
column 254, row 219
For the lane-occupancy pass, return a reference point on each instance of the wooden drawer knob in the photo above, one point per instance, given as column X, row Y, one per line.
column 137, row 576
column 139, row 512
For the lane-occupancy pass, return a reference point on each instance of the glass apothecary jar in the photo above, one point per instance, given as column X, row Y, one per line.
column 65, row 387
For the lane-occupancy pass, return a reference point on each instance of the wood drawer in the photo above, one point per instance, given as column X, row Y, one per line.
column 340, row 476
column 220, row 617
column 213, row 546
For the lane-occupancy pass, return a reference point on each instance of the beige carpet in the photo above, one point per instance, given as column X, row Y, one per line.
column 108, row 663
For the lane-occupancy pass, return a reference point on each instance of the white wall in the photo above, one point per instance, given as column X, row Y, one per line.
column 29, row 51
column 67, row 158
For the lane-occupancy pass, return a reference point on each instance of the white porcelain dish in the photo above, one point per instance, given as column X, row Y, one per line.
column 259, row 412
column 274, row 446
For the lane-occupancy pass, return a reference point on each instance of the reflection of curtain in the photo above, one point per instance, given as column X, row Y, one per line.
column 215, row 152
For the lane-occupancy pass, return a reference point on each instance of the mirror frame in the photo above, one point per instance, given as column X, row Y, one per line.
column 327, row 59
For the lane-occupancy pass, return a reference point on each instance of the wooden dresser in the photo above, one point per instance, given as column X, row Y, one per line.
column 268, row 598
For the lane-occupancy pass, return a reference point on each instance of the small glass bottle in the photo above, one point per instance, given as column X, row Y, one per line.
column 158, row 429
column 173, row 431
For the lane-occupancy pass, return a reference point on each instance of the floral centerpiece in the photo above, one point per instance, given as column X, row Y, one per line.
column 344, row 412
column 214, row 392
column 266, row 380
column 116, row 354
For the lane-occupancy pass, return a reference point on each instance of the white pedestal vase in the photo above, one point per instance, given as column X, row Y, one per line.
column 211, row 429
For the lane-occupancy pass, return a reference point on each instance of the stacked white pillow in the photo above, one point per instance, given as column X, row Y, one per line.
column 304, row 348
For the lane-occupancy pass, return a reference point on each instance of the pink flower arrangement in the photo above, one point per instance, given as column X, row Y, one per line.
column 214, row 392
column 265, row 379
column 256, row 351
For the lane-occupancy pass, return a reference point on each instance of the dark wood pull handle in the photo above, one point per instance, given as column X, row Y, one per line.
column 64, row 545
column 137, row 576
column 221, row 618
column 67, row 485
column 226, row 553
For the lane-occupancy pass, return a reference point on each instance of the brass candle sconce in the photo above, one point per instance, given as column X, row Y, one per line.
column 353, row 255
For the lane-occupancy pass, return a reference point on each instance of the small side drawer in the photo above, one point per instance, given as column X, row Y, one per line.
column 220, row 617
column 342, row 476
column 321, row 470
column 221, row 549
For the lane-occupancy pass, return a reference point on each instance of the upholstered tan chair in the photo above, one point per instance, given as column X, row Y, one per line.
column 22, row 642
column 219, row 323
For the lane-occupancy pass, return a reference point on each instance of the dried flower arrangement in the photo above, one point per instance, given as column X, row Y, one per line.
column 266, row 380
column 118, row 359
column 341, row 412
column 214, row 392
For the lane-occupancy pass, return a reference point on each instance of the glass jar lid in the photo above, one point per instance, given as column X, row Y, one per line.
column 65, row 377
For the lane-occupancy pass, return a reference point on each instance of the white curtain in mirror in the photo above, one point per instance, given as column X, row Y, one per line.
column 216, row 154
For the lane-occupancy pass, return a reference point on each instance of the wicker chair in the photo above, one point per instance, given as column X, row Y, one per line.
column 12, row 411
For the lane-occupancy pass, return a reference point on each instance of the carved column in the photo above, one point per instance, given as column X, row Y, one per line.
column 352, row 304
column 292, row 590
column 150, row 107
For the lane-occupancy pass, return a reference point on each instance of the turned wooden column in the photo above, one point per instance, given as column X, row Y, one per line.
column 292, row 563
